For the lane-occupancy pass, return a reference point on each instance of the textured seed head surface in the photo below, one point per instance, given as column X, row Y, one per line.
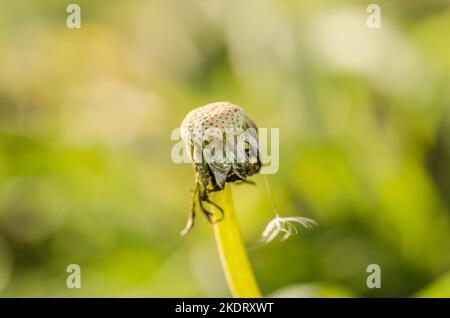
column 220, row 115
column 207, row 125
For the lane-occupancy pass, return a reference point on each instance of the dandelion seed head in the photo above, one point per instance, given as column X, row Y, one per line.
column 219, row 126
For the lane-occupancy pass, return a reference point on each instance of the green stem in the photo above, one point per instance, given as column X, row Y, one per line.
column 235, row 263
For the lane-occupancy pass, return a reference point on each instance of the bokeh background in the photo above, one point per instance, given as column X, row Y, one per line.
column 86, row 114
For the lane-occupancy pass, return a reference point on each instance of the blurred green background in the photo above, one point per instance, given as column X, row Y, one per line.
column 86, row 114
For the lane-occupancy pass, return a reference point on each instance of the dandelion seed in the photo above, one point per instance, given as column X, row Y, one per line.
column 284, row 225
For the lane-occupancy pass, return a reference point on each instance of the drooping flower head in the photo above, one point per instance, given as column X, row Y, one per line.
column 222, row 142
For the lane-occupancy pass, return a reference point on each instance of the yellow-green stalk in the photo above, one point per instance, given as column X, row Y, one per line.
column 234, row 258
